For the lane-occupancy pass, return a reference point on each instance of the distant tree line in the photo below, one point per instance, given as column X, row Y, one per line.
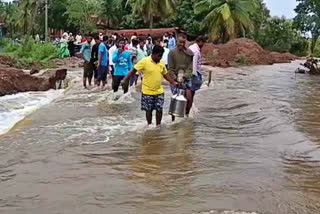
column 221, row 20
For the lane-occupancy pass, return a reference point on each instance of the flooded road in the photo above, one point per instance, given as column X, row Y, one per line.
column 252, row 146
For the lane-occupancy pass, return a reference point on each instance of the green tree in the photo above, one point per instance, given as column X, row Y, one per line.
column 27, row 15
column 57, row 14
column 279, row 34
column 10, row 17
column 2, row 11
column 113, row 12
column 308, row 19
column 226, row 19
column 260, row 15
column 84, row 14
column 185, row 17
column 151, row 9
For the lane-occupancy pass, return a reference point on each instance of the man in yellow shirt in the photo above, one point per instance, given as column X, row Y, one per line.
column 153, row 71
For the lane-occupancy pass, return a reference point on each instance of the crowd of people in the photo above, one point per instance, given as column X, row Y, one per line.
column 128, row 60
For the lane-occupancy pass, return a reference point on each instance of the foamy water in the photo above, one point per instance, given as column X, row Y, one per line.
column 14, row 108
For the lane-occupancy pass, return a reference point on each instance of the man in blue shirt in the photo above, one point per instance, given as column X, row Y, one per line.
column 103, row 62
column 88, row 69
column 123, row 64
column 172, row 42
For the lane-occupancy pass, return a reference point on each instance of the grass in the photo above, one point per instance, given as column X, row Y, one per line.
column 29, row 53
column 241, row 59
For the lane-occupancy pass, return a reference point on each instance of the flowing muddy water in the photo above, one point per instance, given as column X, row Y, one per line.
column 252, row 146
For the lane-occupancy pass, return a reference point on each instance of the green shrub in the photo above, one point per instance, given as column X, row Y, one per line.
column 316, row 52
column 300, row 47
column 279, row 34
column 30, row 52
column 242, row 59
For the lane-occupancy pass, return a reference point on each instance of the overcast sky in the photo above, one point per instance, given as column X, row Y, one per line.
column 282, row 7
column 277, row 7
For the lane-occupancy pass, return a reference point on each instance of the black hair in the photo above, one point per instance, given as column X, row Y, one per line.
column 166, row 41
column 182, row 35
column 201, row 39
column 141, row 40
column 95, row 36
column 157, row 49
column 105, row 38
column 135, row 42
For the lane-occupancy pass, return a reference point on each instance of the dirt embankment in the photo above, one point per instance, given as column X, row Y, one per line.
column 13, row 80
column 242, row 51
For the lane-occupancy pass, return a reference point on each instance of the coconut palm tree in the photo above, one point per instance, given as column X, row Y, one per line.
column 151, row 9
column 113, row 11
column 11, row 15
column 29, row 10
column 226, row 19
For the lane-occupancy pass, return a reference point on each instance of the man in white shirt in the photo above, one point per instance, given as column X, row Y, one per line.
column 196, row 68
column 78, row 39
column 166, row 52
column 101, row 36
column 111, row 52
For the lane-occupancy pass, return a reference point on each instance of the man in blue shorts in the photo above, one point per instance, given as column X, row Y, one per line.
column 123, row 64
column 87, row 67
column 153, row 71
column 103, row 62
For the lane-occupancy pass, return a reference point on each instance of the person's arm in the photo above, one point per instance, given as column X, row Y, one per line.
column 190, row 65
column 100, row 55
column 130, row 65
column 171, row 65
column 138, row 67
column 81, row 51
column 195, row 63
column 100, row 58
column 92, row 53
column 115, row 57
column 130, row 74
column 170, row 79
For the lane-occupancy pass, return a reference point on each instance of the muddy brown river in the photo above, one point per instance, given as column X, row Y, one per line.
column 251, row 146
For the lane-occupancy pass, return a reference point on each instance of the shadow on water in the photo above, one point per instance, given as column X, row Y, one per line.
column 163, row 158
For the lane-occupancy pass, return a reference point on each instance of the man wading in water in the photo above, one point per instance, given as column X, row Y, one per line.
column 196, row 70
column 103, row 62
column 123, row 64
column 152, row 90
column 180, row 62
column 88, row 69
column 94, row 58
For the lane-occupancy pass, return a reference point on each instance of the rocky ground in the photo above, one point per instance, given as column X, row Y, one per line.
column 14, row 80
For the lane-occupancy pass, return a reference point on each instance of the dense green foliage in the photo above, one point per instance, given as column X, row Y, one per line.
column 308, row 19
column 151, row 9
column 29, row 52
column 83, row 13
column 279, row 34
column 226, row 19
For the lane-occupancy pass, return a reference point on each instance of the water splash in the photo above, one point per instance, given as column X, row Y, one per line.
column 14, row 108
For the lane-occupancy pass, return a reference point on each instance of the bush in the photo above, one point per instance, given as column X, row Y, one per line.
column 279, row 34
column 242, row 59
column 30, row 52
column 300, row 47
column 316, row 52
